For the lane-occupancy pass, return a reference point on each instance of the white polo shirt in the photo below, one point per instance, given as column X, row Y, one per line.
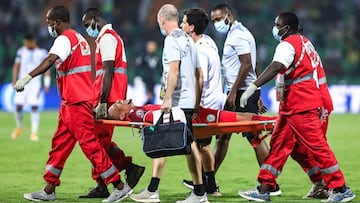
column 212, row 95
column 239, row 41
column 107, row 44
column 179, row 46
column 284, row 53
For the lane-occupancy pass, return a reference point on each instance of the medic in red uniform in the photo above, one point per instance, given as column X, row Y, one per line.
column 110, row 84
column 295, row 63
column 71, row 55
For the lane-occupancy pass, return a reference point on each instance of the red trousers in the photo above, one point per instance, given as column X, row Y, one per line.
column 76, row 124
column 307, row 160
column 103, row 135
column 305, row 128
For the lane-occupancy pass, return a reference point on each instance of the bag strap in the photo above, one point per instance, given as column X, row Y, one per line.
column 161, row 119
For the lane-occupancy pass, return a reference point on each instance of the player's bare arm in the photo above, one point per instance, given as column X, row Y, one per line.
column 199, row 82
column 172, row 79
column 16, row 68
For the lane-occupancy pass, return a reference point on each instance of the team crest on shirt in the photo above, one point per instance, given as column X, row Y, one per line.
column 210, row 118
column 140, row 113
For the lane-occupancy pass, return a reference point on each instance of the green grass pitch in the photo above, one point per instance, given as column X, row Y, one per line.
column 22, row 164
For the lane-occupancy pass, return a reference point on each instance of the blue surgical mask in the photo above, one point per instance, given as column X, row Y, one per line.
column 163, row 32
column 52, row 31
column 275, row 32
column 221, row 26
column 92, row 32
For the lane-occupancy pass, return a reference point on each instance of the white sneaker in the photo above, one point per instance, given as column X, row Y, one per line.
column 40, row 196
column 146, row 196
column 119, row 195
column 317, row 191
column 193, row 198
column 346, row 196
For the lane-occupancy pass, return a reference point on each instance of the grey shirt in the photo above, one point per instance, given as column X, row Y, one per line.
column 179, row 46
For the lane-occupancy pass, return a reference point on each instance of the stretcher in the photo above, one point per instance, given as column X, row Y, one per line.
column 204, row 130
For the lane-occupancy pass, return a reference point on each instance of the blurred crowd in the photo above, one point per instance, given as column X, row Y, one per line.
column 330, row 24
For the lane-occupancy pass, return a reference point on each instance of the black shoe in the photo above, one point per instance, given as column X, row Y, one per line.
column 188, row 183
column 133, row 174
column 96, row 193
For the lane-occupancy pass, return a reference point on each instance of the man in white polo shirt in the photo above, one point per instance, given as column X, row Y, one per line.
column 239, row 62
column 194, row 23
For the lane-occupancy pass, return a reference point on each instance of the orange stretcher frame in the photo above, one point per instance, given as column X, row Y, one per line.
column 204, row 130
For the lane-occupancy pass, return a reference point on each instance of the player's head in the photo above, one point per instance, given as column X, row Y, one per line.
column 29, row 41
column 120, row 109
column 93, row 20
column 57, row 18
column 167, row 15
column 195, row 20
column 285, row 24
column 222, row 16
column 151, row 47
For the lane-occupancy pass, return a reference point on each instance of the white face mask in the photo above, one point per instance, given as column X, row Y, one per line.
column 163, row 32
column 275, row 32
column 52, row 31
column 221, row 26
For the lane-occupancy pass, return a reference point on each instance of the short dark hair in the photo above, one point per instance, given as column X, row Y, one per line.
column 93, row 12
column 197, row 17
column 224, row 8
column 29, row 36
column 289, row 18
column 60, row 13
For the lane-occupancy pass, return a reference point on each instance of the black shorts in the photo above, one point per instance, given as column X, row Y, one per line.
column 204, row 141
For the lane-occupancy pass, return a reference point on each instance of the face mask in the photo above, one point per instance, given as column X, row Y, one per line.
column 52, row 31
column 163, row 32
column 221, row 27
column 275, row 32
column 92, row 32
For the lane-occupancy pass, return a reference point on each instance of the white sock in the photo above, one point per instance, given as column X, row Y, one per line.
column 19, row 119
column 35, row 120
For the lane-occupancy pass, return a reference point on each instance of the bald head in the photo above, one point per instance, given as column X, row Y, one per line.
column 168, row 12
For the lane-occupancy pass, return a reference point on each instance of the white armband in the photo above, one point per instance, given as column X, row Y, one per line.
column 47, row 81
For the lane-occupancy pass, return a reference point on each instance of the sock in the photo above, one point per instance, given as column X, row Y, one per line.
column 154, row 184
column 203, row 176
column 19, row 119
column 35, row 120
column 102, row 186
column 116, row 184
column 211, row 184
column 199, row 190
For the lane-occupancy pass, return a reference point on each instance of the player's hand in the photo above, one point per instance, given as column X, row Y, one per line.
column 20, row 84
column 166, row 106
column 100, row 111
column 230, row 100
column 262, row 108
column 247, row 94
